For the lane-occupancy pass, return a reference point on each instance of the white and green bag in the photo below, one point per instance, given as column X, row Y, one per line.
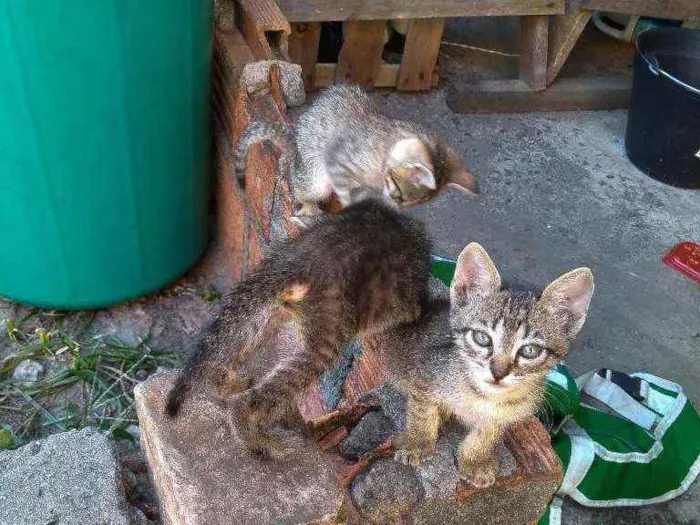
column 642, row 445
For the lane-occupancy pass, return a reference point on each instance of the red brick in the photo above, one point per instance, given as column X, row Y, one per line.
column 286, row 205
column 230, row 218
column 255, row 248
column 242, row 114
column 366, row 373
column 310, row 403
column 260, row 180
column 276, row 91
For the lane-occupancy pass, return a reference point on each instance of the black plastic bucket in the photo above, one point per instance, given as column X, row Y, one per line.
column 663, row 124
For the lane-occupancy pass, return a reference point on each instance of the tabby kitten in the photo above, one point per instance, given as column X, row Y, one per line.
column 349, row 274
column 481, row 356
column 343, row 147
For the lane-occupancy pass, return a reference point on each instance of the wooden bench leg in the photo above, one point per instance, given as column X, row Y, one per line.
column 303, row 50
column 534, row 32
column 564, row 31
column 420, row 54
column 361, row 54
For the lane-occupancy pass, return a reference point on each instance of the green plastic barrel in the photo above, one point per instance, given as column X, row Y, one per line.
column 104, row 147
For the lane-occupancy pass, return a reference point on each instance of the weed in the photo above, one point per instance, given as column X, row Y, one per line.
column 210, row 295
column 99, row 374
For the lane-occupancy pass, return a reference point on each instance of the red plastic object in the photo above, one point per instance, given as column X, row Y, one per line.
column 685, row 259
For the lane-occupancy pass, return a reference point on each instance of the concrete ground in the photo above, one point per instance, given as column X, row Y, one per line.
column 558, row 192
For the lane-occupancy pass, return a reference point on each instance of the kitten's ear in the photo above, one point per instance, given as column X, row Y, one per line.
column 410, row 160
column 475, row 274
column 567, row 299
column 458, row 176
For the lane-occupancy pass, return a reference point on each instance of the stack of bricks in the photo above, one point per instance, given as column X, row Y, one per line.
column 252, row 214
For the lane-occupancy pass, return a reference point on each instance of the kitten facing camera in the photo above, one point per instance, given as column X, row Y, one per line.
column 342, row 147
column 481, row 356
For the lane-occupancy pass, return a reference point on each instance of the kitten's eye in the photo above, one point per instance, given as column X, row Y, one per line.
column 481, row 338
column 530, row 351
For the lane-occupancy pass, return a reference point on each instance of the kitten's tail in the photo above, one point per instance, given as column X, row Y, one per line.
column 278, row 133
column 240, row 325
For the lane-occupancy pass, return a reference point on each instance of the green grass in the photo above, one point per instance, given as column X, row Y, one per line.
column 210, row 295
column 101, row 373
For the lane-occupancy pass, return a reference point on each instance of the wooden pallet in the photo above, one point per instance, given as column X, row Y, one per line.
column 549, row 30
column 545, row 45
column 360, row 59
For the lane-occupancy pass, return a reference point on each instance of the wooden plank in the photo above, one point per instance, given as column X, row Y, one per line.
column 514, row 96
column 231, row 53
column 264, row 28
column 534, row 32
column 303, row 50
column 420, row 54
column 387, row 76
column 674, row 9
column 564, row 31
column 361, row 54
column 328, row 10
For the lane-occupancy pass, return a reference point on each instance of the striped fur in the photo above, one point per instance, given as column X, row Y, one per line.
column 354, row 273
column 444, row 367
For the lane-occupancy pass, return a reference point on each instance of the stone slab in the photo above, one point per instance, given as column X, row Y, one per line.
column 71, row 478
column 204, row 476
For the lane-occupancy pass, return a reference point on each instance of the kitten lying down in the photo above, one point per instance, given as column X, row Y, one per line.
column 481, row 356
column 342, row 147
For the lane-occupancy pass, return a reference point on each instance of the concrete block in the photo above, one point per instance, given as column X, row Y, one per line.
column 204, row 476
column 68, row 478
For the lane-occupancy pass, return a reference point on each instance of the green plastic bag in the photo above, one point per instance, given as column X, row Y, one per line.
column 642, row 449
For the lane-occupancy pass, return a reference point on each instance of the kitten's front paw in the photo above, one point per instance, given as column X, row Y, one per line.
column 414, row 456
column 480, row 474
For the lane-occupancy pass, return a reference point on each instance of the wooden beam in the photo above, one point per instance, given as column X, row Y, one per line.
column 387, row 76
column 674, row 9
column 264, row 28
column 533, row 50
column 231, row 54
column 515, row 96
column 361, row 54
column 328, row 10
column 420, row 54
column 564, row 31
column 303, row 50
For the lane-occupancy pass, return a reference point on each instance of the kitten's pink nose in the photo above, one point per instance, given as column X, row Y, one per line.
column 499, row 369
